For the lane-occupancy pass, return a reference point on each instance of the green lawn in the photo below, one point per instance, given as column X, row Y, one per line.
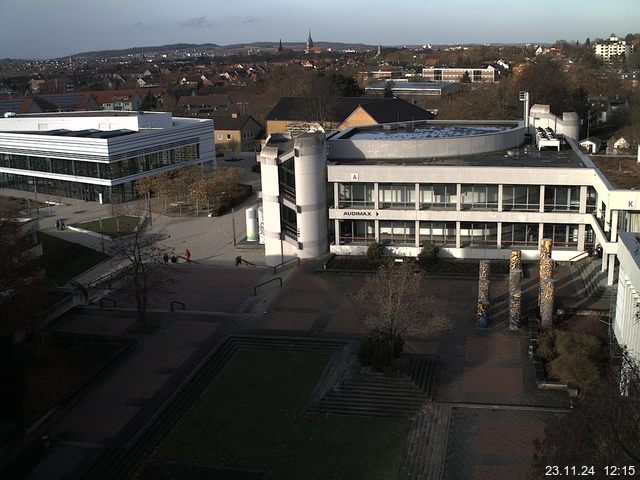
column 64, row 260
column 251, row 417
column 112, row 226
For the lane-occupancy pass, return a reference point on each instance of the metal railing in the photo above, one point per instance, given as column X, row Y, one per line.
column 255, row 289
column 282, row 264
column 579, row 256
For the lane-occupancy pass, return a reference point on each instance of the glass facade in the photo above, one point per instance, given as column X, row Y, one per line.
column 355, row 195
column 111, row 171
column 397, row 195
column 519, row 235
column 565, row 237
column 521, row 198
column 398, row 232
column 438, row 196
column 441, row 233
column 357, row 231
column 561, row 199
column 482, row 235
column 479, row 197
column 287, row 179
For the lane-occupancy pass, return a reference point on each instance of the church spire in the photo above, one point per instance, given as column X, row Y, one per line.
column 309, row 42
column 280, row 46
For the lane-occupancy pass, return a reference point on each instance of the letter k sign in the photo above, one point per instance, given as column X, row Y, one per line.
column 631, row 204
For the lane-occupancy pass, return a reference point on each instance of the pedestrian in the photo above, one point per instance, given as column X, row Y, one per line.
column 187, row 255
column 62, row 224
column 174, row 259
column 165, row 258
column 58, row 224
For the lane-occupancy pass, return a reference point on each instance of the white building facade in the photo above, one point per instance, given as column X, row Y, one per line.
column 613, row 48
column 98, row 156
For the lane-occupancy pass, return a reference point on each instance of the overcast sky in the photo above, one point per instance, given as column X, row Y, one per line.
column 53, row 28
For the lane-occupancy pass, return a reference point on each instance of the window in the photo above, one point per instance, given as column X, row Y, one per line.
column 287, row 177
column 441, row 233
column 479, row 197
column 592, row 199
column 483, row 235
column 220, row 136
column 357, row 231
column 561, row 199
column 289, row 222
column 355, row 195
column 398, row 232
column 564, row 237
column 520, row 235
column 438, row 196
column 521, row 197
column 397, row 196
column 228, row 136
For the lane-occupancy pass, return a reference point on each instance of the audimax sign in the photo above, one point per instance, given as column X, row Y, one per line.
column 359, row 213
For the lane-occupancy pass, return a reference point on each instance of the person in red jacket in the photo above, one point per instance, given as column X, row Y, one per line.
column 187, row 255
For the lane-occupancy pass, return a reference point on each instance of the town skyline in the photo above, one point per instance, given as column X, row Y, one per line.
column 65, row 28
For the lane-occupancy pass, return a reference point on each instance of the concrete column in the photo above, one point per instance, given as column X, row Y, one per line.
column 457, row 234
column 540, row 232
column 546, row 273
column 376, row 200
column 417, row 228
column 612, row 269
column 336, row 225
column 582, row 229
column 614, row 225
column 500, row 197
column 547, row 292
column 499, row 235
column 417, row 196
column 458, row 197
column 377, row 229
column 541, row 201
column 483, row 281
column 583, row 199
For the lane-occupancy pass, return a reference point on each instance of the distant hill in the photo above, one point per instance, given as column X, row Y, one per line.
column 172, row 48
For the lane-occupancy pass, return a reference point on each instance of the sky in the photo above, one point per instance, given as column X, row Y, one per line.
column 55, row 28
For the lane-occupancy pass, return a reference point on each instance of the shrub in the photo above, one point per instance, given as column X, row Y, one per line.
column 220, row 209
column 375, row 351
column 575, row 368
column 570, row 343
column 428, row 255
column 546, row 345
column 374, row 251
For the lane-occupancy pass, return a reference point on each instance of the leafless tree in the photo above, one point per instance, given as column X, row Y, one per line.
column 140, row 255
column 393, row 303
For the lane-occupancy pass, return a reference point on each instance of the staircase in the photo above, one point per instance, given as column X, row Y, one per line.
column 591, row 281
column 368, row 393
column 424, row 455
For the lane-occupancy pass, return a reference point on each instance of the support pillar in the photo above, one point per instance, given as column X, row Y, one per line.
column 612, row 268
column 546, row 273
column 547, row 292
column 515, row 310
column 482, row 320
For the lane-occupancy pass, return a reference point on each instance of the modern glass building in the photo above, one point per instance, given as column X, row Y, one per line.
column 98, row 156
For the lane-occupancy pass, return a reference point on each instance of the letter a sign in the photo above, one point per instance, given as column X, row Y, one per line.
column 355, row 176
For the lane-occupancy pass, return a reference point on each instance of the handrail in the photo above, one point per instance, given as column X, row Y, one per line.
column 578, row 256
column 255, row 289
column 102, row 300
column 108, row 276
column 275, row 268
column 176, row 302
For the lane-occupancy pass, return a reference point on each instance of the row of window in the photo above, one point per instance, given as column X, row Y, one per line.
column 472, row 234
column 112, row 171
column 481, row 197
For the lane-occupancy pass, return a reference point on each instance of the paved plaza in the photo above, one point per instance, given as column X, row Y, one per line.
column 486, row 379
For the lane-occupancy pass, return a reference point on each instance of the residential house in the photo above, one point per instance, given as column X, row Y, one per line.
column 205, row 105
column 123, row 100
column 591, row 144
column 294, row 115
column 236, row 133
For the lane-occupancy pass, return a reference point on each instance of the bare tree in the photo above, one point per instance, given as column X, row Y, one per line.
column 140, row 254
column 393, row 303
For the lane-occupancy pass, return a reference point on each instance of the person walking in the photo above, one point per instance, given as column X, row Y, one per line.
column 187, row 255
column 58, row 224
column 62, row 224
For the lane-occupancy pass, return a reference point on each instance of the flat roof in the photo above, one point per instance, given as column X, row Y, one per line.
column 416, row 131
column 88, row 133
column 622, row 172
column 515, row 157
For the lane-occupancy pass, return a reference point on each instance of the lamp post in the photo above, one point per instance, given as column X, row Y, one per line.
column 101, row 234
